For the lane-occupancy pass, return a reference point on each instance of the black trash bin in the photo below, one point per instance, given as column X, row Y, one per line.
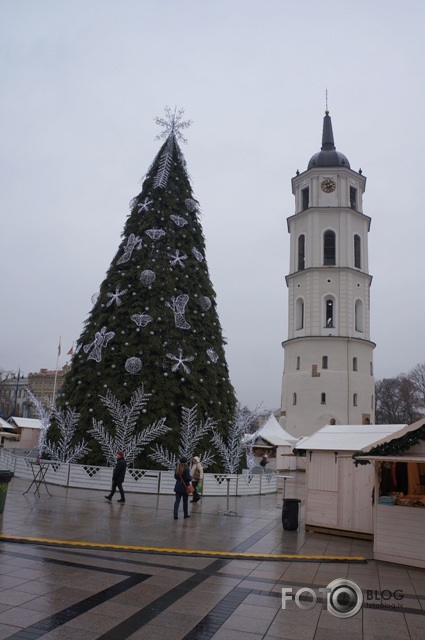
column 5, row 477
column 290, row 511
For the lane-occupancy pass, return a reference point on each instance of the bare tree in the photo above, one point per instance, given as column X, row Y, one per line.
column 417, row 375
column 397, row 401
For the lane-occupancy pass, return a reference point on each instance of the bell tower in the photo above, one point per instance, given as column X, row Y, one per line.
column 328, row 356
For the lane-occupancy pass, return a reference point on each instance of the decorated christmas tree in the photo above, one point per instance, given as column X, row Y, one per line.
column 154, row 323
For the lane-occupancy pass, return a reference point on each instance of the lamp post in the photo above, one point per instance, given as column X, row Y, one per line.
column 16, row 392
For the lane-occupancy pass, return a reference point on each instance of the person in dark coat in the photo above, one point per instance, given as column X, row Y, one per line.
column 183, row 479
column 118, row 477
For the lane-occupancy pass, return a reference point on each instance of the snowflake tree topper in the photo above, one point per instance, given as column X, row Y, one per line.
column 173, row 124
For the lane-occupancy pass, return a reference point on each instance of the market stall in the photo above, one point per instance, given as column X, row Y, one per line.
column 399, row 487
column 339, row 494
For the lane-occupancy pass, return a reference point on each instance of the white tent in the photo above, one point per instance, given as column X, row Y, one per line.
column 277, row 440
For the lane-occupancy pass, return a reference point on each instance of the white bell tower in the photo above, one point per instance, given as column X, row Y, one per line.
column 328, row 371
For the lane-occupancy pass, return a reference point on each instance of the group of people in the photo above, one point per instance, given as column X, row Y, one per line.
column 185, row 478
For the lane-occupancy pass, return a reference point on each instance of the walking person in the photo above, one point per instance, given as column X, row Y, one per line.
column 197, row 474
column 118, row 477
column 183, row 480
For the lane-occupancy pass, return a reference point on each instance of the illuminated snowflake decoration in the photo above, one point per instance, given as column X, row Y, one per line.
column 198, row 255
column 116, row 297
column 191, row 204
column 94, row 298
column 147, row 277
column 179, row 221
column 177, row 259
column 172, row 124
column 133, row 242
column 133, row 365
column 100, row 342
column 212, row 355
column 142, row 319
column 178, row 306
column 144, row 206
column 180, row 361
column 205, row 303
column 155, row 234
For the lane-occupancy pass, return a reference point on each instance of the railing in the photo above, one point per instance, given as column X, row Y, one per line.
column 84, row 476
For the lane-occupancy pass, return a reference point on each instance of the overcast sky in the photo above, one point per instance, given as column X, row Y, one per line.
column 81, row 83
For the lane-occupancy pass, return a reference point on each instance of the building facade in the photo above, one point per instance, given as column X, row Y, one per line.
column 46, row 383
column 328, row 356
column 14, row 399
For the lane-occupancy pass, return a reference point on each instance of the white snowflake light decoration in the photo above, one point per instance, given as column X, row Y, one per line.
column 116, row 297
column 147, row 277
column 133, row 242
column 141, row 319
column 177, row 259
column 178, row 306
column 198, row 255
column 180, row 361
column 94, row 298
column 179, row 221
column 133, row 365
column 144, row 206
column 173, row 124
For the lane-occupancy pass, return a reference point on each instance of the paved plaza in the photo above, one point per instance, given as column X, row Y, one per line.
column 65, row 572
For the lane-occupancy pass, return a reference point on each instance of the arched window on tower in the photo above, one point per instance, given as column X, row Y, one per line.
column 353, row 197
column 329, row 247
column 323, row 398
column 329, row 313
column 294, row 398
column 299, row 314
column 301, row 252
column 357, row 252
column 354, row 399
column 358, row 315
column 324, row 362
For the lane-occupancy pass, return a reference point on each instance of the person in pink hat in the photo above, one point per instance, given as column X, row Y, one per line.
column 118, row 477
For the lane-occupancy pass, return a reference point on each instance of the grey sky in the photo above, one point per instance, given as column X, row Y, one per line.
column 81, row 83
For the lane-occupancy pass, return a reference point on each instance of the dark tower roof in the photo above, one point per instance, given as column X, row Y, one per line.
column 328, row 156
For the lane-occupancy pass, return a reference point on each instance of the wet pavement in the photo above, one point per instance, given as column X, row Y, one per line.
column 84, row 584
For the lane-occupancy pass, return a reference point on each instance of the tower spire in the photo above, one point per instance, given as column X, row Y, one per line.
column 327, row 136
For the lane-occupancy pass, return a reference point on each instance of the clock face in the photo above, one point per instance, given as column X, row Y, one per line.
column 328, row 186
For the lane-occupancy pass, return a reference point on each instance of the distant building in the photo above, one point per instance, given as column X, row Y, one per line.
column 13, row 395
column 42, row 384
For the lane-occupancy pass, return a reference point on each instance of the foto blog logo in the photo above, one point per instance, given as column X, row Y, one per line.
column 342, row 598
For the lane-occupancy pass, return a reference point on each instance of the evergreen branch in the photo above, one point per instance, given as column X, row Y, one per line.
column 44, row 415
column 163, row 457
column 105, row 440
column 164, row 167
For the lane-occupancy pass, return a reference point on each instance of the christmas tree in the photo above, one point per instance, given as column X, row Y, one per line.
column 154, row 323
